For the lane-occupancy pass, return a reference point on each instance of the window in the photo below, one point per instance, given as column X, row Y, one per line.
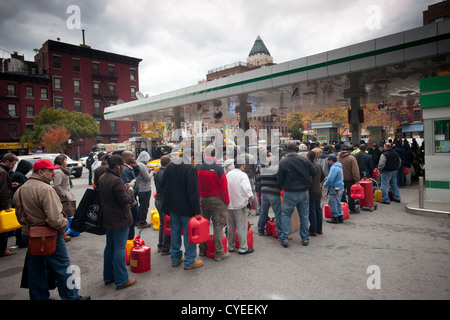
column 11, row 89
column 442, row 136
column 12, row 110
column 56, row 62
column 29, row 92
column 97, row 107
column 30, row 111
column 44, row 93
column 133, row 92
column 99, row 123
column 76, row 65
column 58, row 85
column 76, row 85
column 133, row 126
column 111, row 70
column 417, row 115
column 133, row 74
column 58, row 103
column 113, row 126
column 95, row 68
column 96, row 88
column 12, row 128
column 112, row 89
column 77, row 104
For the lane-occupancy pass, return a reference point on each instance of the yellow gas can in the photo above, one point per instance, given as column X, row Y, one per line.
column 8, row 221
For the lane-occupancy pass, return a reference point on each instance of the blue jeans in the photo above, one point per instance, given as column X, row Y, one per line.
column 114, row 267
column 389, row 178
column 301, row 201
column 334, row 202
column 269, row 200
column 315, row 216
column 38, row 275
column 178, row 223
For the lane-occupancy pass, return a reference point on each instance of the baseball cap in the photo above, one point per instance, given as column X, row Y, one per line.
column 332, row 157
column 44, row 164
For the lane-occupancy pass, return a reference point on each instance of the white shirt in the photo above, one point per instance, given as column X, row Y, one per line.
column 239, row 189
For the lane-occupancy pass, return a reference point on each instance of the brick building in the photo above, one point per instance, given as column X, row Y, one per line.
column 87, row 80
column 437, row 12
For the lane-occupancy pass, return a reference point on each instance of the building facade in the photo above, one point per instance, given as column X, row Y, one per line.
column 87, row 80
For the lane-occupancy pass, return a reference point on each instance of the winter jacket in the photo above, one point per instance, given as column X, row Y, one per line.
column 294, row 173
column 322, row 159
column 349, row 166
column 389, row 161
column 6, row 191
column 41, row 205
column 144, row 178
column 335, row 178
column 212, row 180
column 266, row 179
column 158, row 183
column 19, row 176
column 180, row 186
column 315, row 191
column 114, row 201
column 240, row 189
column 365, row 164
column 61, row 184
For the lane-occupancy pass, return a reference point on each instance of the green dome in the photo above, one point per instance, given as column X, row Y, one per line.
column 258, row 47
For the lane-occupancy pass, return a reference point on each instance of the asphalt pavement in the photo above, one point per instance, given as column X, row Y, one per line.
column 386, row 254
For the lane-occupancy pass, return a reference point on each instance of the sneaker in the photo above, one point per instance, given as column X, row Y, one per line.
column 178, row 263
column 249, row 250
column 197, row 264
column 334, row 220
column 340, row 219
column 83, row 298
column 285, row 244
column 129, row 283
column 305, row 243
column 224, row 256
column 165, row 253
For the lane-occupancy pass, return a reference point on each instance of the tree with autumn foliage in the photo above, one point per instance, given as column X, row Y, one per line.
column 78, row 125
column 55, row 139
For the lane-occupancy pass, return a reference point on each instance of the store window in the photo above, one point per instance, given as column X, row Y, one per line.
column 442, row 136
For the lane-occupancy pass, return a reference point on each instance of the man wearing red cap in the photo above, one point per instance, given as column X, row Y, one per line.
column 37, row 202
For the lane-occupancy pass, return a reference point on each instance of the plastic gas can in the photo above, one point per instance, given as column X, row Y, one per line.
column 167, row 225
column 270, row 225
column 249, row 237
column 327, row 212
column 198, row 230
column 8, row 221
column 357, row 191
column 211, row 247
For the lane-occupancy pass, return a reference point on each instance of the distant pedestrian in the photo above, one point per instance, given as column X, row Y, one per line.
column 214, row 199
column 240, row 192
column 315, row 195
column 335, row 185
column 89, row 162
column 350, row 169
column 144, row 180
column 181, row 200
column 129, row 173
column 115, row 197
column 389, row 163
column 163, row 239
column 294, row 176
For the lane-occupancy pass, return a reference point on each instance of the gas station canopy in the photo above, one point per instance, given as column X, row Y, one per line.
column 375, row 71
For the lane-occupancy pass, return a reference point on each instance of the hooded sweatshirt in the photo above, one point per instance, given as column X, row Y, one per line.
column 144, row 178
column 23, row 167
column 349, row 166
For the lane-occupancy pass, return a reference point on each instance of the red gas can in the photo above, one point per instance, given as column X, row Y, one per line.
column 249, row 238
column 327, row 211
column 211, row 247
column 270, row 226
column 368, row 200
column 167, row 225
column 357, row 191
column 140, row 258
column 198, row 230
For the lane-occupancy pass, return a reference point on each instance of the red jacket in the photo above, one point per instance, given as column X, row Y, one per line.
column 212, row 180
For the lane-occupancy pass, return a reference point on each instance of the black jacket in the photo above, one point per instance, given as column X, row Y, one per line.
column 365, row 164
column 180, row 186
column 294, row 173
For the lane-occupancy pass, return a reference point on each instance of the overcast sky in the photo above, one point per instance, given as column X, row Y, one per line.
column 180, row 40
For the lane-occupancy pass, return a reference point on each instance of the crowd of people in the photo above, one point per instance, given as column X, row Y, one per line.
column 223, row 191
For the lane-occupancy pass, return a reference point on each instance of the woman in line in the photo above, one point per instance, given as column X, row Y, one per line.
column 115, row 197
